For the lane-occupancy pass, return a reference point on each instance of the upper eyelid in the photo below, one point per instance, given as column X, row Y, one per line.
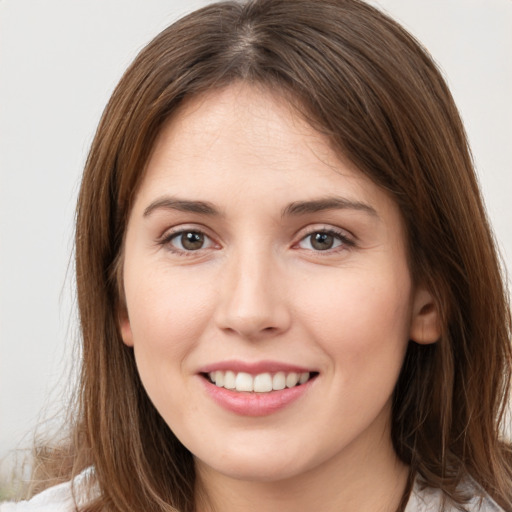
column 300, row 234
column 328, row 228
column 171, row 232
column 180, row 228
column 348, row 240
column 165, row 241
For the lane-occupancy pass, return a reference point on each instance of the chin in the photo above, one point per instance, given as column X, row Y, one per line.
column 257, row 468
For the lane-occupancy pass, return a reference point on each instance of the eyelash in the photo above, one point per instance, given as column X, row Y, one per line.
column 345, row 242
column 166, row 241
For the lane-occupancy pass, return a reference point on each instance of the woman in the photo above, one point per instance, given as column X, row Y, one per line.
column 288, row 290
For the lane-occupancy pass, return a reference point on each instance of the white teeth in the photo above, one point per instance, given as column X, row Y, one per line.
column 292, row 379
column 261, row 383
column 229, row 380
column 219, row 378
column 244, row 382
column 279, row 381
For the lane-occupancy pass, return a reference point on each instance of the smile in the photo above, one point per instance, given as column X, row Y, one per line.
column 260, row 383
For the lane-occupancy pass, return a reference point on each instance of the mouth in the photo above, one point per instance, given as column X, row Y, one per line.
column 260, row 383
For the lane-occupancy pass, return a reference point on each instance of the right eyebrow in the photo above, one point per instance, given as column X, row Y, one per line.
column 182, row 205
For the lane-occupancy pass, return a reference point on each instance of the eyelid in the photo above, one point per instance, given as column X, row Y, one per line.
column 347, row 239
column 170, row 233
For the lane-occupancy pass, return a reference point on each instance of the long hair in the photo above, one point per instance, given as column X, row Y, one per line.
column 364, row 82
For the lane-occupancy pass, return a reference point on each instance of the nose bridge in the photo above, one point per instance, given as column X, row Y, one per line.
column 253, row 301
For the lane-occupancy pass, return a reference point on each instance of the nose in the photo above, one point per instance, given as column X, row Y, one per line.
column 253, row 301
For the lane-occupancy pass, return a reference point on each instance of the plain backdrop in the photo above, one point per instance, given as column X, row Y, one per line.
column 59, row 62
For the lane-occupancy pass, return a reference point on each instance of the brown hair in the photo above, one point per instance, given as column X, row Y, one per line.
column 359, row 78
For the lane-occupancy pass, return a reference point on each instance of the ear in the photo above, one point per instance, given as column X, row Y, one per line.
column 426, row 322
column 125, row 327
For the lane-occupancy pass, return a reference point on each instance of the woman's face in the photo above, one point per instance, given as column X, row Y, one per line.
column 258, row 259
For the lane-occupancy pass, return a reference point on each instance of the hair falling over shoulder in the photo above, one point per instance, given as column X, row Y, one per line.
column 364, row 82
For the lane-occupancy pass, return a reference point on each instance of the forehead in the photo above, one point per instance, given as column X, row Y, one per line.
column 241, row 123
column 251, row 118
column 251, row 141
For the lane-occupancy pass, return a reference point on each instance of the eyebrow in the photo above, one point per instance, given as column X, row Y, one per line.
column 328, row 203
column 182, row 205
column 296, row 208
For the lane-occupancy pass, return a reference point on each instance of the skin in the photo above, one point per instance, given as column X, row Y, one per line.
column 258, row 289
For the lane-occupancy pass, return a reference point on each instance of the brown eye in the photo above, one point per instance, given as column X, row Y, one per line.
column 192, row 241
column 325, row 240
column 187, row 241
column 322, row 241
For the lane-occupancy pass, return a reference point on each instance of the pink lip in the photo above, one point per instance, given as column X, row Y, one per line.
column 253, row 368
column 254, row 404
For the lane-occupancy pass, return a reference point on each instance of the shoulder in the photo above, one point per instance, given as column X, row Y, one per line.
column 428, row 499
column 55, row 499
column 60, row 498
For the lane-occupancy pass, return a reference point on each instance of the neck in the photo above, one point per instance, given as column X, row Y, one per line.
column 375, row 482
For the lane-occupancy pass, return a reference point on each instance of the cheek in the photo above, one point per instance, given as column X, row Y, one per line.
column 362, row 320
column 168, row 311
column 168, row 316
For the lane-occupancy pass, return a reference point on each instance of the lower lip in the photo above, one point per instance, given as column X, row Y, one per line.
column 255, row 404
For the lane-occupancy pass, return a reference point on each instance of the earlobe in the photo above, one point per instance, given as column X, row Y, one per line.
column 426, row 321
column 125, row 328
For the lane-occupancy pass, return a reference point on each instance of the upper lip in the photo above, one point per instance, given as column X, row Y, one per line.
column 254, row 368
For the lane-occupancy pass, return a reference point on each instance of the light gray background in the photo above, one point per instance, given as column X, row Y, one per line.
column 59, row 61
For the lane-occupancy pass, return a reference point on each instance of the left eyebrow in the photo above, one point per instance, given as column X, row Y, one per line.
column 328, row 203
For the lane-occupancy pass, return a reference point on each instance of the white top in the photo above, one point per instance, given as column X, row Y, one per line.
column 429, row 499
column 59, row 499
column 55, row 499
